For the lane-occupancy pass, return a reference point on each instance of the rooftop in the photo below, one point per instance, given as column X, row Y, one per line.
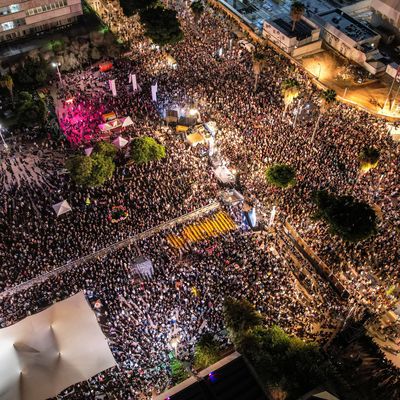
column 301, row 31
column 348, row 25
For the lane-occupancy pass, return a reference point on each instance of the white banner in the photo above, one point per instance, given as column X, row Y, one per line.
column 134, row 82
column 112, row 87
column 154, row 92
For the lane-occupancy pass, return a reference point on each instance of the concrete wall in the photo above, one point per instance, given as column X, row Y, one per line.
column 307, row 49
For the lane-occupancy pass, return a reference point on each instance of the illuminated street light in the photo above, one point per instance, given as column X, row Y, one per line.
column 2, row 138
column 57, row 65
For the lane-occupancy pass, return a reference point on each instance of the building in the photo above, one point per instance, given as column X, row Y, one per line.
column 228, row 379
column 20, row 18
column 304, row 38
column 351, row 38
column 386, row 14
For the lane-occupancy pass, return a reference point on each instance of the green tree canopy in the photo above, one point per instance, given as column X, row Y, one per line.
column 178, row 371
column 31, row 110
column 90, row 171
column 348, row 218
column 369, row 158
column 33, row 72
column 130, row 7
column 105, row 148
column 7, row 82
column 240, row 316
column 282, row 360
column 161, row 25
column 80, row 168
column 145, row 149
column 207, row 352
column 281, row 175
column 328, row 97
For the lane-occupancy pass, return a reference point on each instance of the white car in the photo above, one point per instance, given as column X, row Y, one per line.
column 246, row 45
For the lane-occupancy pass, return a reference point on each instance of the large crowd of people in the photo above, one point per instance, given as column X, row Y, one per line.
column 184, row 297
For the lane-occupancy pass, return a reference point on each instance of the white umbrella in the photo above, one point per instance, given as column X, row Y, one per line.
column 88, row 151
column 120, row 142
column 62, row 208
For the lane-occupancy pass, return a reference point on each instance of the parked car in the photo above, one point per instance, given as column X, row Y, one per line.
column 247, row 45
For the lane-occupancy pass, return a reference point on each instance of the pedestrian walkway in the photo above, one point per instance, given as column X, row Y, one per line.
column 115, row 246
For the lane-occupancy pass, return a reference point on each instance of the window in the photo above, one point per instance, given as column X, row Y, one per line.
column 47, row 7
column 6, row 26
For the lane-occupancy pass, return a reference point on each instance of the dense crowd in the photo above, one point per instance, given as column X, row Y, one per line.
column 141, row 316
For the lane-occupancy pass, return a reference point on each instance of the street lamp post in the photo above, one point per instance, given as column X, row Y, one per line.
column 319, row 71
column 57, row 65
column 2, row 138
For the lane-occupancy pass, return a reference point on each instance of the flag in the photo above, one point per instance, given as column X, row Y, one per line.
column 112, row 87
column 134, row 82
column 154, row 92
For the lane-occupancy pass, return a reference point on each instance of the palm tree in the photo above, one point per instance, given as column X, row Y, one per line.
column 290, row 90
column 7, row 82
column 197, row 8
column 258, row 64
column 327, row 98
column 296, row 12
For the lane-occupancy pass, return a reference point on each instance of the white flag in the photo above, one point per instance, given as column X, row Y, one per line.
column 112, row 87
column 154, row 92
column 130, row 78
column 134, row 82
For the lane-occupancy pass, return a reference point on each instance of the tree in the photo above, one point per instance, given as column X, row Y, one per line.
column 80, row 168
column 106, row 149
column 239, row 317
column 130, row 7
column 284, row 361
column 31, row 111
column 197, row 8
column 327, row 98
column 161, row 25
column 281, row 176
column 290, row 90
column 7, row 82
column 296, row 12
column 369, row 158
column 90, row 171
column 145, row 149
column 206, row 352
column 352, row 220
column 258, row 63
column 33, row 72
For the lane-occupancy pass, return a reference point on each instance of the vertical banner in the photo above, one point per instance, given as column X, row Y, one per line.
column 134, row 82
column 112, row 87
column 154, row 92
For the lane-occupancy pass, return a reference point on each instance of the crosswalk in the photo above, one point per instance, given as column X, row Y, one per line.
column 213, row 226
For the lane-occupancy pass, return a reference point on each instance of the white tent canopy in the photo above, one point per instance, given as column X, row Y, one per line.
column 45, row 353
column 62, row 208
column 224, row 175
column 120, row 142
column 88, row 151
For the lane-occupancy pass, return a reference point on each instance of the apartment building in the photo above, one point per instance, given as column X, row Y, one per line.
column 19, row 18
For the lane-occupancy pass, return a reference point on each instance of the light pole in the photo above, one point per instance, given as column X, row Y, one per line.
column 2, row 138
column 319, row 71
column 57, row 65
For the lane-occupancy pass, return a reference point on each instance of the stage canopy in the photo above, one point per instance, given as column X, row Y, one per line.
column 47, row 352
column 62, row 208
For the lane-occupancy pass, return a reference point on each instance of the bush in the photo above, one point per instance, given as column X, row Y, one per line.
column 145, row 149
column 207, row 352
column 348, row 218
column 281, row 176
